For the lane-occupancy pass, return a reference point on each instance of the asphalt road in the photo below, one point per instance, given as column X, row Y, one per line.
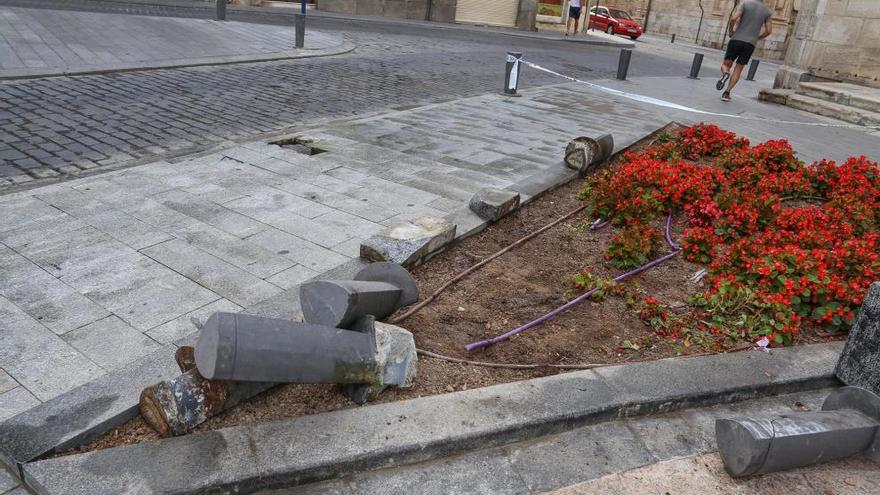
column 65, row 125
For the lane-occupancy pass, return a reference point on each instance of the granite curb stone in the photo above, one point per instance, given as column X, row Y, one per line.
column 492, row 204
column 311, row 448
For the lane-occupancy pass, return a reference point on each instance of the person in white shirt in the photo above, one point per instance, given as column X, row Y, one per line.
column 574, row 14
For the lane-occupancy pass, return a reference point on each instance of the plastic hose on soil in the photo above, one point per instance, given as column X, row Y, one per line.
column 417, row 307
column 583, row 297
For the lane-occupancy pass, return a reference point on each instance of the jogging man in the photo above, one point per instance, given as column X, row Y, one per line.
column 749, row 23
column 574, row 14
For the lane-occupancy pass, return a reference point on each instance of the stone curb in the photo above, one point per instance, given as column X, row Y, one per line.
column 17, row 74
column 322, row 446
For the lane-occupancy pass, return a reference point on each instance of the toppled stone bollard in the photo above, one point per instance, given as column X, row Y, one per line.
column 585, row 153
column 378, row 290
column 859, row 363
column 408, row 243
column 492, row 204
column 174, row 407
column 846, row 426
column 250, row 348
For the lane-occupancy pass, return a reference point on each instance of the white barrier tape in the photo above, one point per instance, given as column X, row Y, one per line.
column 676, row 106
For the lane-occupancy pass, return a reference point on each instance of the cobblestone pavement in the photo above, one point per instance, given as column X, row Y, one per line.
column 64, row 126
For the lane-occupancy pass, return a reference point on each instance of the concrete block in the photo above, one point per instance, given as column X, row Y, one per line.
column 111, row 342
column 407, row 243
column 859, row 363
column 222, row 278
column 82, row 414
column 493, row 204
column 182, row 326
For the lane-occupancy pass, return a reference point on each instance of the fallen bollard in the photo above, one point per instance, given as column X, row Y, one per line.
column 379, row 290
column 846, row 426
column 174, row 407
column 250, row 348
column 585, row 153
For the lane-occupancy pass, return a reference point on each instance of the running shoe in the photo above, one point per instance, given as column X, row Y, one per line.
column 720, row 84
column 725, row 96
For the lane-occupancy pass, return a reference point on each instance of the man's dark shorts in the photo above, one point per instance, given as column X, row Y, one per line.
column 739, row 51
column 574, row 12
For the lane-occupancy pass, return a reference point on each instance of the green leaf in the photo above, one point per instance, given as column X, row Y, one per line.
column 795, row 300
column 778, row 338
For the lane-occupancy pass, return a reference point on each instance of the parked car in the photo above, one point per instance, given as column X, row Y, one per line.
column 614, row 21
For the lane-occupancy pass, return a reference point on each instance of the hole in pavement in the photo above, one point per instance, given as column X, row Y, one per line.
column 299, row 145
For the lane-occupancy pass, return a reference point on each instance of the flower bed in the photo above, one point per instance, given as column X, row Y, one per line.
column 785, row 244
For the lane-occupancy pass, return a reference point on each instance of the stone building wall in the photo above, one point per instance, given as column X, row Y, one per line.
column 834, row 39
column 682, row 18
column 441, row 10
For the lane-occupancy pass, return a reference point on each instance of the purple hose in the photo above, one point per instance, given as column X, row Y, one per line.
column 581, row 298
column 598, row 224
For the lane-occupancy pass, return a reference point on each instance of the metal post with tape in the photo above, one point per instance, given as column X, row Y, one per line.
column 695, row 66
column 753, row 69
column 220, row 14
column 623, row 63
column 511, row 73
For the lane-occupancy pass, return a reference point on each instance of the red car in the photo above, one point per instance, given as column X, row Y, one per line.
column 614, row 21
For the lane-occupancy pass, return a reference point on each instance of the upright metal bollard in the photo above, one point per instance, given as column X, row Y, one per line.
column 221, row 10
column 511, row 73
column 623, row 63
column 300, row 24
column 695, row 66
column 673, row 38
column 753, row 69
column 847, row 425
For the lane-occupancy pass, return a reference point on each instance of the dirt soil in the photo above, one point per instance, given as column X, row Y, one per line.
column 523, row 284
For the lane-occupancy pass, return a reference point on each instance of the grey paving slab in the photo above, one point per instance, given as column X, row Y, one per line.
column 244, row 254
column 210, row 213
column 292, row 277
column 182, row 326
column 43, row 297
column 224, row 279
column 7, row 481
column 37, row 358
column 111, row 342
column 299, row 250
column 16, row 401
column 140, row 291
column 6, row 382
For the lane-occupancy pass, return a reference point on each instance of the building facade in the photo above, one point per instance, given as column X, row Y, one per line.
column 837, row 40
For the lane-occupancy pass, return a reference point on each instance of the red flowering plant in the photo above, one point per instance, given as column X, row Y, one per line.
column 785, row 244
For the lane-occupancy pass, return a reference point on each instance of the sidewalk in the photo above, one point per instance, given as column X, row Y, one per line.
column 42, row 42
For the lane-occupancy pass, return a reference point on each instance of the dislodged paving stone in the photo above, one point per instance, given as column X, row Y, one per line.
column 407, row 243
column 492, row 204
column 859, row 363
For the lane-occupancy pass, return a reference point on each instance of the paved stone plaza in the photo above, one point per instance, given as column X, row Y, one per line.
column 134, row 203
